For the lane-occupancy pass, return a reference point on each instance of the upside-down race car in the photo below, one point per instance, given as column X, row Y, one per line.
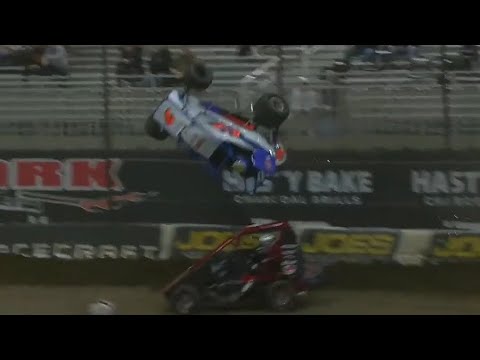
column 225, row 140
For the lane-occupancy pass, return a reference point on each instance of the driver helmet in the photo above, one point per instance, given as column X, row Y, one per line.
column 265, row 242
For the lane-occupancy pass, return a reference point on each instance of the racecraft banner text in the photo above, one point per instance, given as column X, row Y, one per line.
column 76, row 242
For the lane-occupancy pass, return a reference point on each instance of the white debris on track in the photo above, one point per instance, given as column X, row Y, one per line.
column 101, row 307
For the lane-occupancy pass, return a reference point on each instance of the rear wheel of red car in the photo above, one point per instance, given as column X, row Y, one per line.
column 184, row 300
column 281, row 296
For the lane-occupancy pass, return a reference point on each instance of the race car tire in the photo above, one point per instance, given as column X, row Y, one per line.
column 184, row 300
column 152, row 128
column 198, row 76
column 270, row 111
column 281, row 296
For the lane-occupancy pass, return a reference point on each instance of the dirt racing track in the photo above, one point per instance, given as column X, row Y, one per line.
column 44, row 287
column 142, row 301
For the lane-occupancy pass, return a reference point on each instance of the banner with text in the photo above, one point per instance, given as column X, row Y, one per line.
column 455, row 247
column 82, row 242
column 69, row 187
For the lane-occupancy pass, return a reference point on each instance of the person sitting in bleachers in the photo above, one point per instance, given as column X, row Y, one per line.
column 408, row 52
column 182, row 62
column 5, row 52
column 130, row 68
column 385, row 57
column 245, row 50
column 365, row 52
column 470, row 55
column 161, row 64
column 47, row 60
column 163, row 70
column 14, row 55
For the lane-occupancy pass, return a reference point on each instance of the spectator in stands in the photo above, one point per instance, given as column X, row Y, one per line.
column 470, row 55
column 470, row 50
column 408, row 51
column 55, row 59
column 131, row 64
column 161, row 65
column 182, row 62
column 5, row 55
column 365, row 52
column 385, row 56
column 245, row 50
column 161, row 61
column 14, row 55
column 20, row 55
column 47, row 60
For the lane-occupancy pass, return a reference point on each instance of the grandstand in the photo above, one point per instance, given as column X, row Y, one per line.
column 388, row 108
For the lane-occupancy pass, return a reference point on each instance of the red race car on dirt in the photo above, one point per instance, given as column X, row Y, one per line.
column 262, row 264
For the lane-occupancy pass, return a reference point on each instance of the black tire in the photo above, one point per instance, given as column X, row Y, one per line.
column 184, row 300
column 198, row 76
column 152, row 128
column 270, row 111
column 281, row 296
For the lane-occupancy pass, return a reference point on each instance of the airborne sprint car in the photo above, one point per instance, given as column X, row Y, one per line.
column 224, row 140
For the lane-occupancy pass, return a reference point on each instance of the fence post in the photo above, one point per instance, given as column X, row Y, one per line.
column 280, row 73
column 107, row 136
column 444, row 82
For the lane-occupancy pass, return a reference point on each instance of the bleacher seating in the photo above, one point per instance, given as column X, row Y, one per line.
column 356, row 110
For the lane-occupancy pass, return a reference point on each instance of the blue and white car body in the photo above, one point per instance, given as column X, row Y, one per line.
column 213, row 134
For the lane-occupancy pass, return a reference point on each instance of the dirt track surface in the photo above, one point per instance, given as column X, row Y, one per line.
column 143, row 301
column 29, row 286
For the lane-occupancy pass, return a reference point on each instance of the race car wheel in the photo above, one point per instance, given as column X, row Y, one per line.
column 152, row 128
column 198, row 76
column 270, row 111
column 184, row 301
column 281, row 296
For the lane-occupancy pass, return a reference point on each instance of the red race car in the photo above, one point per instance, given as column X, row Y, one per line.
column 261, row 264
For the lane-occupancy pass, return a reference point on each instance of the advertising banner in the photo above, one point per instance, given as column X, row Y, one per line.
column 82, row 242
column 125, row 187
column 195, row 241
column 455, row 247
column 323, row 247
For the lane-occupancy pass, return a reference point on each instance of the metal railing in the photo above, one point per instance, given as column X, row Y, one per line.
column 360, row 109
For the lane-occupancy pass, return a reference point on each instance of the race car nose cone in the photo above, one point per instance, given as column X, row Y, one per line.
column 264, row 161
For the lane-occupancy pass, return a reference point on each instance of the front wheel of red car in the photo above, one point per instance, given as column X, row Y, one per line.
column 281, row 296
column 184, row 301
